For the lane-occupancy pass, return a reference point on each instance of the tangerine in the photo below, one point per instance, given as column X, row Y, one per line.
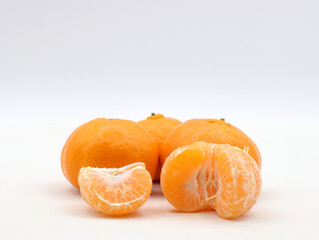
column 159, row 127
column 211, row 131
column 109, row 143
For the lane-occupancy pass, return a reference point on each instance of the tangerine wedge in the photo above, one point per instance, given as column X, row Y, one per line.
column 206, row 176
column 115, row 191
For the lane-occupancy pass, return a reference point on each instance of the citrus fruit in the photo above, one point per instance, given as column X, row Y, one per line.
column 115, row 191
column 205, row 176
column 211, row 131
column 109, row 143
column 159, row 127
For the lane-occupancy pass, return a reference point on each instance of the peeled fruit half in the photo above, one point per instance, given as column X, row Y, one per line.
column 115, row 191
column 206, row 176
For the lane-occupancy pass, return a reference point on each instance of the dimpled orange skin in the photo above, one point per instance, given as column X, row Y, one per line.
column 159, row 127
column 109, row 143
column 211, row 131
column 205, row 176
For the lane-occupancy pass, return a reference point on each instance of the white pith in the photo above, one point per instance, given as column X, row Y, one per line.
column 207, row 185
column 118, row 204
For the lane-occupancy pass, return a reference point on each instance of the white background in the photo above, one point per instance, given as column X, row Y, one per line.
column 62, row 63
column 76, row 60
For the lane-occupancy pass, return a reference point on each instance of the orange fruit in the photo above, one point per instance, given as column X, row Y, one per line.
column 211, row 131
column 109, row 143
column 159, row 127
column 205, row 176
column 115, row 191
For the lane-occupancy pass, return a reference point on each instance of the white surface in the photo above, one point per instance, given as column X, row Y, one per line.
column 38, row 203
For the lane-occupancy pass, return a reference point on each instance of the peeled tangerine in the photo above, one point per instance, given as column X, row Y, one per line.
column 115, row 191
column 206, row 176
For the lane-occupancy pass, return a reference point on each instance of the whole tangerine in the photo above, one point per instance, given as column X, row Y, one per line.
column 107, row 143
column 160, row 127
column 210, row 131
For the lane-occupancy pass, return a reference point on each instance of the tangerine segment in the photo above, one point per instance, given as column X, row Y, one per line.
column 204, row 176
column 115, row 191
column 239, row 181
column 179, row 181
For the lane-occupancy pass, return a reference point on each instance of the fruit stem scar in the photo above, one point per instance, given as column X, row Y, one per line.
column 153, row 114
column 222, row 119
